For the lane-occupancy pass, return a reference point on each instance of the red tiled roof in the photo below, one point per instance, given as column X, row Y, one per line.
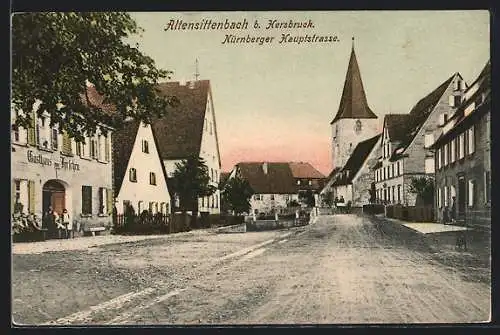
column 97, row 100
column 304, row 170
column 279, row 178
column 180, row 130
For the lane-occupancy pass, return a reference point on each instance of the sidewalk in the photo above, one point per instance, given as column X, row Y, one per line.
column 441, row 241
column 83, row 243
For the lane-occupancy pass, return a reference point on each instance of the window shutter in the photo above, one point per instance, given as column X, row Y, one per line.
column 31, row 192
column 66, row 143
column 109, row 200
column 32, row 130
column 106, row 148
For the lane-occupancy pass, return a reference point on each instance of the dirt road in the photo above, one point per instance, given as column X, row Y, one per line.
column 343, row 269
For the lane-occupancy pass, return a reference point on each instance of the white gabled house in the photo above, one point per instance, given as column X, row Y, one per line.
column 139, row 176
column 190, row 129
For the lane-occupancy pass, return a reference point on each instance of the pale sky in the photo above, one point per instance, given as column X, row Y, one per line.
column 274, row 102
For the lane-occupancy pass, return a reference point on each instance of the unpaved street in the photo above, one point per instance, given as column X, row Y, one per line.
column 343, row 269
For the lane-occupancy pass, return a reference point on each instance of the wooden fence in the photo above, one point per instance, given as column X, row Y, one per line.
column 151, row 224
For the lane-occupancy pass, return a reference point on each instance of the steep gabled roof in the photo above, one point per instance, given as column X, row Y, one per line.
column 353, row 103
column 396, row 125
column 179, row 131
column 278, row 179
column 356, row 161
column 123, row 144
column 421, row 111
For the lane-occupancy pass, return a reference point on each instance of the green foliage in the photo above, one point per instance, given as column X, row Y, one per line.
column 423, row 187
column 190, row 181
column 236, row 195
column 54, row 53
column 327, row 198
column 307, row 198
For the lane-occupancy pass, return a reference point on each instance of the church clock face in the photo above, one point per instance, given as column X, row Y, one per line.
column 358, row 126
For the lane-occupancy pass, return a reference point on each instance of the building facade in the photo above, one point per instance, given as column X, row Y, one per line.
column 354, row 181
column 190, row 129
column 139, row 175
column 50, row 169
column 406, row 141
column 463, row 158
column 277, row 185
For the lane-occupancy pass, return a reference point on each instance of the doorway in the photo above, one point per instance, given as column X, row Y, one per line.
column 461, row 197
column 54, row 194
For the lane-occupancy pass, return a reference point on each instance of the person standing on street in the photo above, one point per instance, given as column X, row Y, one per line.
column 66, row 220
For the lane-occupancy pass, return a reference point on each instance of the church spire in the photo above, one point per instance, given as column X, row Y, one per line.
column 353, row 103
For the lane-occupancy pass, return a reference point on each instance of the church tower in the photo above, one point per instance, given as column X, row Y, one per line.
column 355, row 121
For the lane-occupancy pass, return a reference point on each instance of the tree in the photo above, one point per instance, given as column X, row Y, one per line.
column 191, row 180
column 327, row 198
column 373, row 193
column 55, row 54
column 307, row 198
column 423, row 187
column 236, row 195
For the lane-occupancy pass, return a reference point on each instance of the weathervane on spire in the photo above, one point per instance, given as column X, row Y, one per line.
column 197, row 73
column 353, row 42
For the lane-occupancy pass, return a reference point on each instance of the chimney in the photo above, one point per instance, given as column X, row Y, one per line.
column 264, row 167
column 182, row 82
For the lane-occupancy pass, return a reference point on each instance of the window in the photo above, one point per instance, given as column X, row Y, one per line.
column 106, row 148
column 272, row 196
column 256, row 197
column 212, row 202
column 216, row 197
column 393, row 193
column 54, row 139
column 145, row 146
column 429, row 165
column 461, row 146
column 458, row 85
column 151, row 207
column 152, row 178
column 446, row 154
column 439, row 200
column 443, row 118
column 471, row 192
column 202, row 201
column 399, row 168
column 446, row 196
column 453, row 151
column 428, row 140
column 133, row 175
column 487, row 186
column 140, row 207
column 470, row 141
column 211, row 174
column 87, row 200
column 399, row 193
column 78, row 148
column 93, row 148
column 383, row 173
column 392, row 168
column 105, row 200
column 438, row 154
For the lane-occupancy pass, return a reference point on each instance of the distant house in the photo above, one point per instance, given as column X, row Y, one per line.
column 354, row 181
column 463, row 157
column 190, row 129
column 277, row 184
column 139, row 176
column 406, row 141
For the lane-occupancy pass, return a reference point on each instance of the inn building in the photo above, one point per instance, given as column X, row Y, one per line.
column 50, row 169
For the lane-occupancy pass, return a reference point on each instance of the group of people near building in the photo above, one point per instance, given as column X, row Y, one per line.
column 57, row 225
